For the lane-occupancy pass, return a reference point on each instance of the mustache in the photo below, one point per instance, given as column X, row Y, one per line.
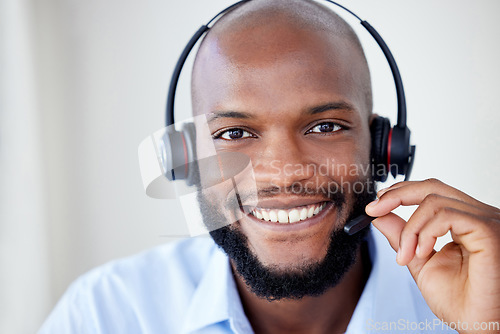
column 333, row 192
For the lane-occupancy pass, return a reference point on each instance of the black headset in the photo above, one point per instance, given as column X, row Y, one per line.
column 391, row 150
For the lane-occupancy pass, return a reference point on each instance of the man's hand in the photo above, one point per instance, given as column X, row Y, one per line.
column 461, row 282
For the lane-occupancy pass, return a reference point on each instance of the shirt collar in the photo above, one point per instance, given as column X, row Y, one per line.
column 216, row 298
column 387, row 292
column 364, row 307
column 385, row 295
column 394, row 291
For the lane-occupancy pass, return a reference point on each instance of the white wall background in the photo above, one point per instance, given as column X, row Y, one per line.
column 83, row 82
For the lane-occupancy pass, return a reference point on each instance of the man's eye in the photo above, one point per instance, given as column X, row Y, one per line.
column 233, row 134
column 325, row 128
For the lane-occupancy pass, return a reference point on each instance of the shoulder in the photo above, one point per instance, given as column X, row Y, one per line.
column 183, row 260
column 187, row 257
column 155, row 284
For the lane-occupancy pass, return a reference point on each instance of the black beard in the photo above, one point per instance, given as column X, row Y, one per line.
column 308, row 280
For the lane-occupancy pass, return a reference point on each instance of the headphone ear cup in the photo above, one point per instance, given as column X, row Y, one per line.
column 189, row 133
column 177, row 153
column 380, row 129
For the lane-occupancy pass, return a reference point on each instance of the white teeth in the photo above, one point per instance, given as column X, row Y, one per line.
column 294, row 216
column 265, row 215
column 303, row 214
column 282, row 216
column 310, row 212
column 288, row 216
column 273, row 216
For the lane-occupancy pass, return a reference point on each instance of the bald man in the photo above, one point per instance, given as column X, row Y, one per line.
column 287, row 84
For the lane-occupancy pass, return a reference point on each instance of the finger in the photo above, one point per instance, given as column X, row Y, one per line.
column 475, row 237
column 394, row 186
column 427, row 210
column 414, row 192
column 391, row 226
column 412, row 183
column 467, row 229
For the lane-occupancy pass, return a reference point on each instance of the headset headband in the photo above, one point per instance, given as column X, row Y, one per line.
column 174, row 150
column 391, row 149
column 401, row 122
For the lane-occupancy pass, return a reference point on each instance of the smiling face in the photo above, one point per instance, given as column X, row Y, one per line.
column 293, row 99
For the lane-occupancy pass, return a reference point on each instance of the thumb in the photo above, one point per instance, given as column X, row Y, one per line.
column 391, row 226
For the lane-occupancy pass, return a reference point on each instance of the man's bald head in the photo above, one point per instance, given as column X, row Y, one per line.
column 285, row 82
column 277, row 27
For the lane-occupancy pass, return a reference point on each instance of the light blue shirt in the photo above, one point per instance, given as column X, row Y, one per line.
column 188, row 287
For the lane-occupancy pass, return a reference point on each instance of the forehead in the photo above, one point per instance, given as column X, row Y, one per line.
column 276, row 62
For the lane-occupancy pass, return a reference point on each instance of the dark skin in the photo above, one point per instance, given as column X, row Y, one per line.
column 302, row 79
column 289, row 73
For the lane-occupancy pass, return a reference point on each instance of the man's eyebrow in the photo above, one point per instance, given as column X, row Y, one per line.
column 331, row 106
column 228, row 114
column 312, row 111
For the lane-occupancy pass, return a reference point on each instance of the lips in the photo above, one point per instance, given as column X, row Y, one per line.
column 287, row 216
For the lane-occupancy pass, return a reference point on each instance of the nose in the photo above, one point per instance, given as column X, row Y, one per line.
column 282, row 161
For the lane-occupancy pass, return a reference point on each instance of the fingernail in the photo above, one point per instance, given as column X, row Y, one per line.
column 381, row 191
column 372, row 204
column 400, row 251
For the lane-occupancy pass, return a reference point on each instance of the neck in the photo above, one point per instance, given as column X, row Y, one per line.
column 328, row 313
